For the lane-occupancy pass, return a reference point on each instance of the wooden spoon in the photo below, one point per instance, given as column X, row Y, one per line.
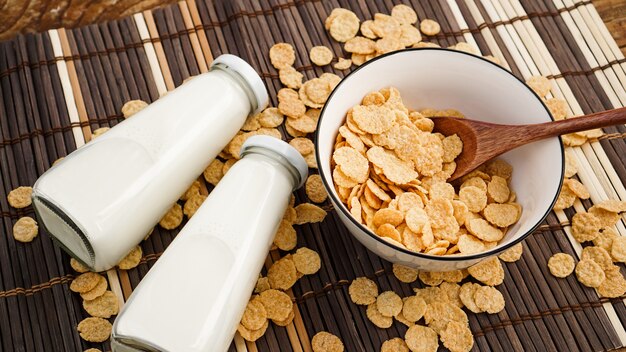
column 483, row 140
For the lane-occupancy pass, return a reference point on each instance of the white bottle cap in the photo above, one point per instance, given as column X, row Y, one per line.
column 249, row 75
column 282, row 149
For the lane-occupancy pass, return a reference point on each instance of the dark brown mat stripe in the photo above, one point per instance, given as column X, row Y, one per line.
column 37, row 310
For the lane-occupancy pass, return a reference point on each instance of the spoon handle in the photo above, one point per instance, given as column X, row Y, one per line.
column 577, row 124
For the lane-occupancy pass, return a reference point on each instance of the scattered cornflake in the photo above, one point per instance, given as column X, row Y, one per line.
column 255, row 315
column 78, row 266
column 585, row 227
column 315, row 189
column 431, row 278
column 94, row 329
column 103, row 306
column 286, row 237
column 466, row 295
column 561, row 265
column 252, row 335
column 271, row 117
column 282, row 274
column 84, row 282
column 404, row 14
column 193, row 189
column 307, row 261
column 577, row 188
column 132, row 107
column 193, row 204
column 97, row 291
column 214, row 172
column 20, row 197
column 539, row 84
column 489, row 271
column 512, row 254
column 389, row 303
column 173, row 218
column 290, row 78
column 395, row 344
column 374, row 315
column 326, row 342
column 571, row 167
column 363, row 291
column 558, row 108
column 599, row 255
column 421, row 339
column 413, row 308
column 618, row 249
column 309, row 213
column 25, row 229
column 282, row 55
column 343, row 64
column 457, row 337
column 489, row 299
column 277, row 304
column 430, row 27
column 131, row 260
column 262, row 284
column 321, row 55
column 589, row 273
column 439, row 314
column 404, row 273
column 342, row 24
column 614, row 284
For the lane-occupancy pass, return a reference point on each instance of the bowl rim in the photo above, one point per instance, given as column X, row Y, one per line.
column 444, row 258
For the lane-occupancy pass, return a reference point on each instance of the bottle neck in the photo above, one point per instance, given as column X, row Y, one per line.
column 241, row 82
column 281, row 160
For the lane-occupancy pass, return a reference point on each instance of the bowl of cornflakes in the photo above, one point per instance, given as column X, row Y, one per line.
column 386, row 171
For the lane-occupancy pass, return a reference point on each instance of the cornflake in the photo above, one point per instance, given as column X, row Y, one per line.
column 512, row 254
column 94, row 329
column 466, row 295
column 271, row 118
column 286, row 237
column 377, row 318
column 78, row 266
column 342, row 64
column 282, row 55
column 307, row 261
column 413, row 308
column 97, row 291
column 321, row 55
column 489, row 271
column 404, row 14
column 84, row 282
column 539, row 84
column 252, row 335
column 395, row 344
column 561, row 265
column 614, row 285
column 282, row 274
column 214, row 172
column 132, row 107
column 103, row 306
column 255, row 315
column 404, row 273
column 290, row 78
column 326, row 342
column 589, row 273
column 343, row 26
column 457, row 337
column 363, row 291
column 618, row 249
column 20, row 197
column 277, row 304
column 489, row 299
column 430, row 27
column 193, row 204
column 309, row 213
column 422, row 339
column 389, row 303
column 173, row 218
column 585, row 227
column 131, row 260
column 25, row 229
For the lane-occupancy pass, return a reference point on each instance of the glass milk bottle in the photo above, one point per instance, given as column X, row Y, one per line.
column 195, row 294
column 101, row 200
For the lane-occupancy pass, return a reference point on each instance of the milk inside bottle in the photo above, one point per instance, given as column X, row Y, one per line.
column 101, row 200
column 195, row 294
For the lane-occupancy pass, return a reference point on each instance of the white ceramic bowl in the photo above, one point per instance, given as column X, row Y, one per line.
column 482, row 90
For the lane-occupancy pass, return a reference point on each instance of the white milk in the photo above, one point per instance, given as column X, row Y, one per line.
column 195, row 294
column 102, row 200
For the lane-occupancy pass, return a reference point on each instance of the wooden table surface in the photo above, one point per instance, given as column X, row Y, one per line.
column 40, row 15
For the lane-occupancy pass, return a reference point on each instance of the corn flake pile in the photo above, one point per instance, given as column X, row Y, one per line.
column 390, row 169
column 435, row 313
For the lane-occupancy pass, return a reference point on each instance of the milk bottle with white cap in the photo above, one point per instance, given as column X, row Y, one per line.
column 101, row 200
column 195, row 294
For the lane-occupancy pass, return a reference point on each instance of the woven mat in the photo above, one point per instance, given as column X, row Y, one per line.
column 57, row 87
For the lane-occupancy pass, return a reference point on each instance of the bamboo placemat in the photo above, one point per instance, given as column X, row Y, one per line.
column 59, row 86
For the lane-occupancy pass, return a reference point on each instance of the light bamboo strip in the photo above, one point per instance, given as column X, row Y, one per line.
column 505, row 9
column 77, row 112
column 193, row 36
column 458, row 16
column 486, row 33
column 153, row 33
column 605, row 33
column 594, row 27
column 240, row 343
column 197, row 21
column 594, row 55
column 150, row 53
